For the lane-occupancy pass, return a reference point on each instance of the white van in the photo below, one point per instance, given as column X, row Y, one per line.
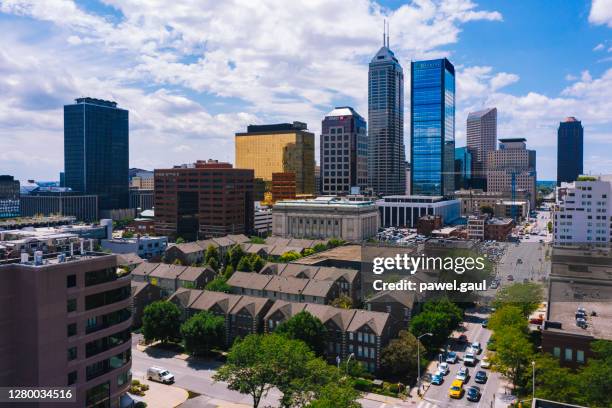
column 160, row 374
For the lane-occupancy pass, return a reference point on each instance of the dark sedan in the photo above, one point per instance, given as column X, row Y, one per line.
column 481, row 377
column 473, row 394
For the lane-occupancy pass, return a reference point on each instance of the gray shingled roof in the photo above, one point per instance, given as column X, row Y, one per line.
column 249, row 280
column 166, row 271
column 145, row 268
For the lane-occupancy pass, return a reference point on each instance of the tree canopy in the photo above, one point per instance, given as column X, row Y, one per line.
column 307, row 328
column 399, row 358
column 161, row 321
column 526, row 296
column 203, row 332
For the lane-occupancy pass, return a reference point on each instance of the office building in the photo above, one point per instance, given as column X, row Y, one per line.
column 206, row 199
column 582, row 212
column 317, row 173
column 344, row 152
column 408, row 177
column 481, row 139
column 463, row 167
column 432, row 147
column 569, row 150
column 141, row 179
column 473, row 200
column 386, row 150
column 60, row 201
column 283, row 186
column 141, row 199
column 512, row 167
column 262, row 223
column 146, row 247
column 9, row 196
column 325, row 217
column 279, row 148
column 96, row 151
column 72, row 315
column 405, row 211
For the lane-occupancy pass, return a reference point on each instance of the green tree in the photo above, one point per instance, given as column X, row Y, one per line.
column 549, row 227
column 342, row 302
column 594, row 379
column 319, row 247
column 307, row 328
column 219, row 284
column 289, row 257
column 526, row 296
column 127, row 234
column 211, row 253
column 445, row 306
column 336, row 395
column 508, row 316
column 179, row 240
column 161, row 321
column 257, row 262
column 437, row 323
column 235, row 255
column 487, row 209
column 399, row 358
column 552, row 381
column 257, row 240
column 258, row 362
column 203, row 332
column 213, row 264
column 514, row 355
column 228, row 272
column 244, row 265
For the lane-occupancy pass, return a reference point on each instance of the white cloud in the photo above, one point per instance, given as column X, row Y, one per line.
column 601, row 12
column 599, row 47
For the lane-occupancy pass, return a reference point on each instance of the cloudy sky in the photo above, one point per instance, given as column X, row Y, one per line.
column 194, row 72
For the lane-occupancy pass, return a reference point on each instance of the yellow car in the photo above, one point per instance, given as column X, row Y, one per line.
column 456, row 389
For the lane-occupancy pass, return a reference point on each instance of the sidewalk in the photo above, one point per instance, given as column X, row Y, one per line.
column 162, row 396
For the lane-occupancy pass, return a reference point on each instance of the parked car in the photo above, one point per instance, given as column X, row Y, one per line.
column 456, row 389
column 481, row 377
column 510, row 278
column 451, row 358
column 160, row 375
column 485, row 323
column 469, row 359
column 485, row 363
column 476, row 347
column 437, row 379
column 443, row 368
column 473, row 394
column 463, row 374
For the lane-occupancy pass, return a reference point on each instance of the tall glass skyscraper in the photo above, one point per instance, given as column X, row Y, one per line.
column 386, row 151
column 432, row 147
column 96, row 151
column 569, row 150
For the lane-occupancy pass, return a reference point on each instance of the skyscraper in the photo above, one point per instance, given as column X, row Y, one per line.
column 432, row 147
column 386, row 151
column 569, row 150
column 463, row 168
column 344, row 151
column 481, row 139
column 278, row 148
column 96, row 151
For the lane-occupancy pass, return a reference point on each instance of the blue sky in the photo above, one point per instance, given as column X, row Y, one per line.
column 192, row 73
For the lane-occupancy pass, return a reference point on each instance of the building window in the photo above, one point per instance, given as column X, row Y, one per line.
column 557, row 352
column 72, row 329
column 98, row 394
column 123, row 378
column 72, row 377
column 580, row 356
column 71, row 305
column 70, row 281
column 72, row 353
column 568, row 354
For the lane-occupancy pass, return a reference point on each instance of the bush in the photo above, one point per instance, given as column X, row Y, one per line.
column 362, row 385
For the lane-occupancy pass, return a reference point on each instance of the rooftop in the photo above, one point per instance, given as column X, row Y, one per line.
column 343, row 111
column 512, row 140
column 479, row 114
column 275, row 128
column 95, row 101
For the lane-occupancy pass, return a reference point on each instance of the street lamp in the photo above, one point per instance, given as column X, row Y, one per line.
column 348, row 361
column 419, row 361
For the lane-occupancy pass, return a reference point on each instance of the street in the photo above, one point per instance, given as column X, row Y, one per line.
column 437, row 395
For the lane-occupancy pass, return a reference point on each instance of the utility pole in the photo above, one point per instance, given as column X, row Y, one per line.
column 419, row 361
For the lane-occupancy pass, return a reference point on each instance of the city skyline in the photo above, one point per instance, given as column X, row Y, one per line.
column 189, row 91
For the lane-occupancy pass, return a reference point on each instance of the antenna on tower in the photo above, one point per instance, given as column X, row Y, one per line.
column 384, row 30
column 387, row 35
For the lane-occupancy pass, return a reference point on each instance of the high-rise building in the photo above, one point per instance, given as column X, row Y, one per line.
column 279, row 148
column 481, row 139
column 386, row 150
column 9, row 196
column 344, row 152
column 96, row 151
column 569, row 150
column 60, row 202
column 463, row 167
column 432, row 147
column 65, row 322
column 511, row 168
column 205, row 199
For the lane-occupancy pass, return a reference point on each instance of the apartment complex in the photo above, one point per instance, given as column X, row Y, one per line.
column 278, row 148
column 583, row 212
column 432, row 136
column 325, row 217
column 344, row 152
column 73, row 317
column 206, row 199
column 386, row 150
column 512, row 167
column 473, row 200
column 405, row 211
column 9, row 196
column 481, row 139
column 570, row 154
column 96, row 151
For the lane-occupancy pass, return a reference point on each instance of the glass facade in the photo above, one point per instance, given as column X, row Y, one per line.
column 463, row 168
column 96, row 151
column 569, row 150
column 386, row 149
column 432, row 147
